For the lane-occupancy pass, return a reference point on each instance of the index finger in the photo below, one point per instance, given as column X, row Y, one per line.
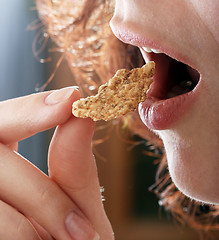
column 25, row 116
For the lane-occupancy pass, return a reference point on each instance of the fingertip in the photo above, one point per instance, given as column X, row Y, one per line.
column 61, row 95
column 59, row 104
column 71, row 148
column 84, row 124
column 76, row 131
column 83, row 128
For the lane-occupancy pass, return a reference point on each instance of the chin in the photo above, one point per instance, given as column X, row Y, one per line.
column 190, row 169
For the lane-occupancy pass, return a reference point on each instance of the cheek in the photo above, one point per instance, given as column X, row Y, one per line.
column 208, row 13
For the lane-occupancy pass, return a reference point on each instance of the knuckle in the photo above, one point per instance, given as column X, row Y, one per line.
column 51, row 198
column 24, row 230
column 47, row 194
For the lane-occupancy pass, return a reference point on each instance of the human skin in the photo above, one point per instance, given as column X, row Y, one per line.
column 187, row 30
column 30, row 198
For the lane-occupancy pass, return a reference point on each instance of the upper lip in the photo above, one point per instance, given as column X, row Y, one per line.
column 134, row 38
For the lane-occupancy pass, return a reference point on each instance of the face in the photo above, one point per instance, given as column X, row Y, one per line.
column 183, row 101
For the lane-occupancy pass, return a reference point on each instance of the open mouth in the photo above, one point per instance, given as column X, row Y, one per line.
column 176, row 86
column 172, row 92
column 172, row 78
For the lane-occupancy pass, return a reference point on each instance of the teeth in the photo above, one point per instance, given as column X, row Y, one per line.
column 155, row 51
column 149, row 50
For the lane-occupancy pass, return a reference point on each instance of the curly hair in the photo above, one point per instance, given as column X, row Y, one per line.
column 81, row 32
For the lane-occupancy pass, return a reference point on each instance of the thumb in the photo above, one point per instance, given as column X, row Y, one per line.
column 72, row 166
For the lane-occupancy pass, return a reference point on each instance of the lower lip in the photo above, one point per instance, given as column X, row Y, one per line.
column 163, row 114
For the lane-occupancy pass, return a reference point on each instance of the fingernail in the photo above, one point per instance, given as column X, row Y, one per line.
column 79, row 228
column 60, row 95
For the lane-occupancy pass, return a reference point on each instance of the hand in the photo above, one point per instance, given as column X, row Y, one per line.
column 65, row 205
